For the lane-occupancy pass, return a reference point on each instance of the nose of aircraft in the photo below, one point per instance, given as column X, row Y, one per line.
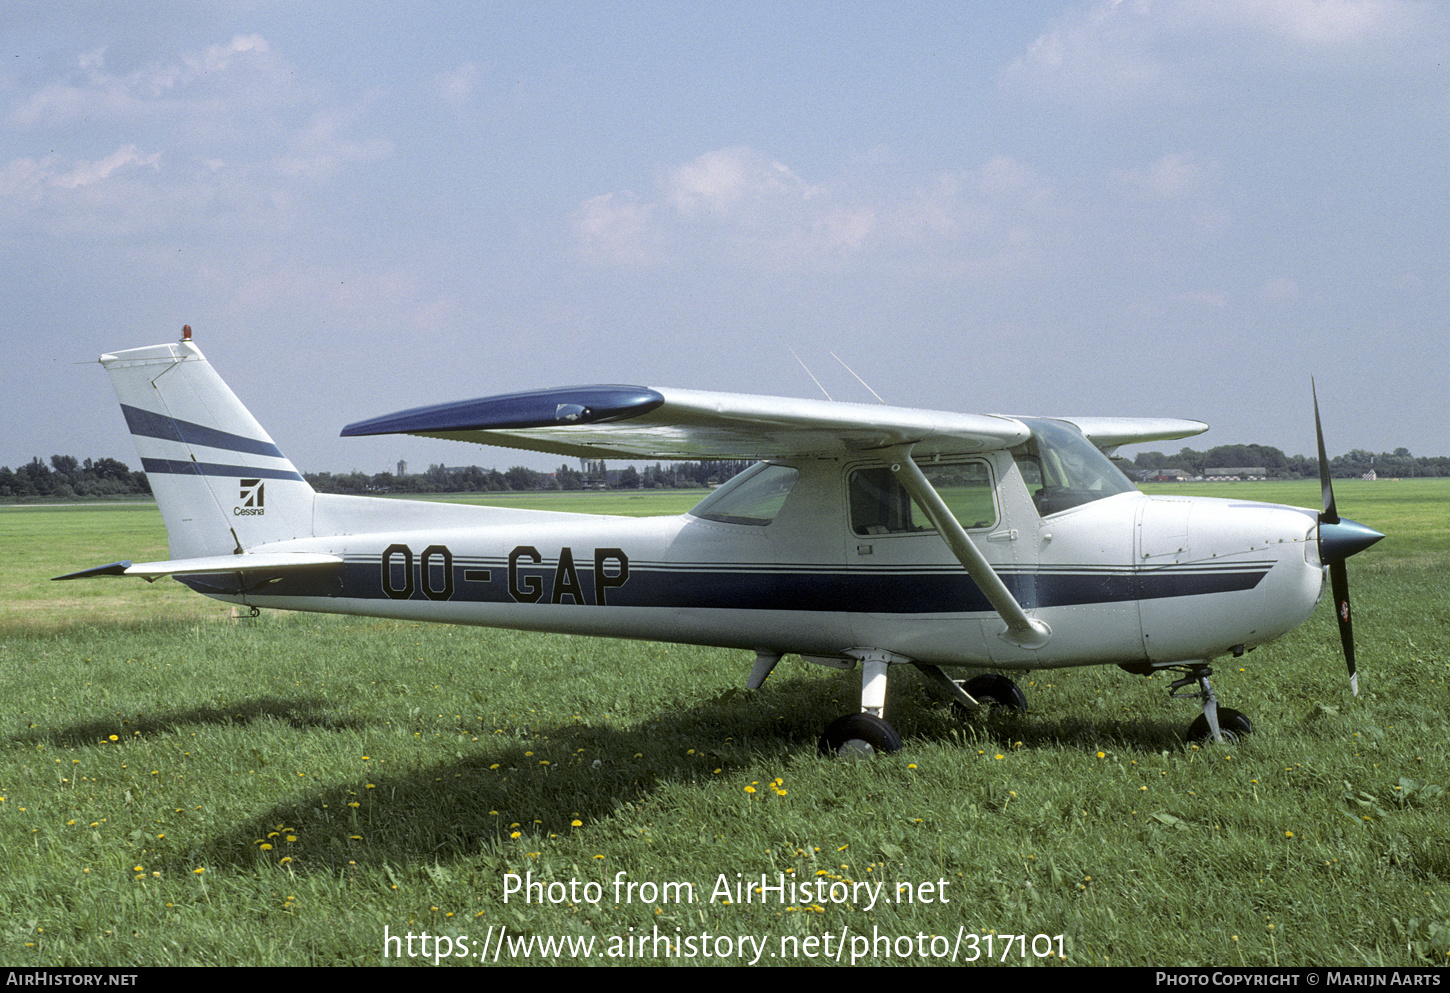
column 1343, row 538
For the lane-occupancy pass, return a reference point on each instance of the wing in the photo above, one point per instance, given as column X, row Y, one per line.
column 1109, row 432
column 636, row 422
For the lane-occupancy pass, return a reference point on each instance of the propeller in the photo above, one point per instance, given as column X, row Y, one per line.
column 1338, row 540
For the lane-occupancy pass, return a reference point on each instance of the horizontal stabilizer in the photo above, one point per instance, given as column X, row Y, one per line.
column 250, row 562
column 114, row 569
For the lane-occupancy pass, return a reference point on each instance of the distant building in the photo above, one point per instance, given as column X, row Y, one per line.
column 1168, row 476
column 1232, row 473
column 402, row 468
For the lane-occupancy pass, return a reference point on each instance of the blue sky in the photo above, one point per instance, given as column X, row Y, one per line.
column 1147, row 207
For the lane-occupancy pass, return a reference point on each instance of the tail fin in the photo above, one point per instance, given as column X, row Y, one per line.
column 222, row 485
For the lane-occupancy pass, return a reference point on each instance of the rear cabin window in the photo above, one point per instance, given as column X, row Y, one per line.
column 754, row 497
column 879, row 504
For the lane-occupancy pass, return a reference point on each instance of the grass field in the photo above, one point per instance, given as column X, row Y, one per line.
column 178, row 787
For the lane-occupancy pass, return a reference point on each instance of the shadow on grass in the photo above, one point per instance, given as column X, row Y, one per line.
column 579, row 771
column 304, row 714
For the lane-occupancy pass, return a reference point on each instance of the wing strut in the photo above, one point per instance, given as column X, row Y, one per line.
column 1022, row 631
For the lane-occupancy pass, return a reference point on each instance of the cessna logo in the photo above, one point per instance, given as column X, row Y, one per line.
column 252, row 498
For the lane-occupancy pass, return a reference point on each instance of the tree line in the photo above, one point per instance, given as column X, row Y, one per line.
column 1399, row 463
column 65, row 477
column 521, row 479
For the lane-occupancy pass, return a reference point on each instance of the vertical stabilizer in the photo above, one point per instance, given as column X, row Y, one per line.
column 222, row 484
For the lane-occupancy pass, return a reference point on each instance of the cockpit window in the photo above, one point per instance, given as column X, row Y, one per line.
column 879, row 504
column 754, row 497
column 1063, row 469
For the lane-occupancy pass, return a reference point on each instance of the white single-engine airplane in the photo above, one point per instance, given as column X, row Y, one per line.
column 879, row 535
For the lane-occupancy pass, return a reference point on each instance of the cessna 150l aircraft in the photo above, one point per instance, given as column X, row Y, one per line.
column 866, row 534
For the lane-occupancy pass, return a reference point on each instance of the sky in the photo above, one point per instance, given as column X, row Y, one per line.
column 1178, row 208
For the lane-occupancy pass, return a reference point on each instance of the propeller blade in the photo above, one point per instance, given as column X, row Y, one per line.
column 1339, row 583
column 1338, row 540
column 1330, row 514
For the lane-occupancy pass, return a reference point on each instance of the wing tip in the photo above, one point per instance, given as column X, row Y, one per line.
column 565, row 406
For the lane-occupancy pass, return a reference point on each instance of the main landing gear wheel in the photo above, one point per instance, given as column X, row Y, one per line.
column 1233, row 724
column 991, row 690
column 859, row 734
column 996, row 690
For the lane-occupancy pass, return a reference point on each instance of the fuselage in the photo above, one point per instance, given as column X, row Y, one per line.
column 818, row 557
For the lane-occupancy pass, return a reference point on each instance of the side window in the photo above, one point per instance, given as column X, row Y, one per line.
column 879, row 505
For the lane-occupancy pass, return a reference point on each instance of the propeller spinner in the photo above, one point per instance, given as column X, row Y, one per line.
column 1338, row 540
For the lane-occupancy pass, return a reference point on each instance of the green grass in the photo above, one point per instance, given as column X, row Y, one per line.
column 400, row 773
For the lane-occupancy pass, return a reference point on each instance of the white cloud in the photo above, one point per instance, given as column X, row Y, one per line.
column 232, row 135
column 1309, row 23
column 457, row 86
column 54, row 191
column 725, row 182
column 242, row 77
column 618, row 229
column 1170, row 177
column 1124, row 51
column 1102, row 53
column 739, row 206
column 87, row 173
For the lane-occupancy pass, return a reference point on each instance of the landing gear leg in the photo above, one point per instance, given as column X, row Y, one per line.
column 867, row 731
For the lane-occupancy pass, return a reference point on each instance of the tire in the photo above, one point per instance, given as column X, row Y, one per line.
column 996, row 690
column 859, row 734
column 1233, row 724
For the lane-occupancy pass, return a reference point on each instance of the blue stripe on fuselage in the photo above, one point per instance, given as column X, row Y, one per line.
column 724, row 587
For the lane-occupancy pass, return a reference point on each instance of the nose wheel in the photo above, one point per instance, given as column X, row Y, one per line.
column 1219, row 724
column 1232, row 726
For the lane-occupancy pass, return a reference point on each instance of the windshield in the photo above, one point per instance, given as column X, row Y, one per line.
column 753, row 497
column 1063, row 469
